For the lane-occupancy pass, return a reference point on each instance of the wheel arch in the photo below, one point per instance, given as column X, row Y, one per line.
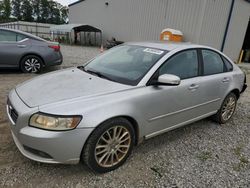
column 128, row 118
column 236, row 92
column 34, row 54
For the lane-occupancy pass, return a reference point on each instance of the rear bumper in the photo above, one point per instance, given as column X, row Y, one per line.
column 55, row 58
column 244, row 88
column 58, row 62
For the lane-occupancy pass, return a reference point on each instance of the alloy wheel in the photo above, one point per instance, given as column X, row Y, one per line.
column 112, row 146
column 228, row 108
column 32, row 65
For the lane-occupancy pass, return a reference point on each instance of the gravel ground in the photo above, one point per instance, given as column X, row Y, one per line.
column 203, row 154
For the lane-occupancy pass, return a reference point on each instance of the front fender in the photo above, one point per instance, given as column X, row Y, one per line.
column 94, row 112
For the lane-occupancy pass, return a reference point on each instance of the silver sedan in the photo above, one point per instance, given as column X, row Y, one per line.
column 97, row 112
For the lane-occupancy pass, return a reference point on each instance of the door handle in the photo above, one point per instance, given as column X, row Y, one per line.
column 225, row 80
column 193, row 87
column 21, row 46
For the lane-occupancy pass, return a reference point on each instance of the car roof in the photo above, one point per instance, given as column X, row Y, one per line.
column 166, row 45
column 23, row 33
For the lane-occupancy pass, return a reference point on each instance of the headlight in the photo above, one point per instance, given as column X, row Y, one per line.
column 57, row 123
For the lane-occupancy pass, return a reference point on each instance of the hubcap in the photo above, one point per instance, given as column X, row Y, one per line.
column 228, row 108
column 112, row 146
column 32, row 65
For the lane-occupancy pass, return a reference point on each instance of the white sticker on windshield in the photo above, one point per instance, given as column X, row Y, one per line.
column 153, row 51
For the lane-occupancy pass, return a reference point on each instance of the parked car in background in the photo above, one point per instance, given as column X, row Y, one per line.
column 97, row 112
column 112, row 43
column 28, row 52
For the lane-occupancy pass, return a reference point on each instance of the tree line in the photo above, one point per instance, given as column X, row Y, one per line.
column 43, row 11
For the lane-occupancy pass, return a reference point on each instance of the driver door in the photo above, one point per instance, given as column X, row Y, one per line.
column 170, row 106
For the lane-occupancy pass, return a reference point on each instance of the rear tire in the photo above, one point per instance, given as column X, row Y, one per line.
column 31, row 64
column 109, row 145
column 227, row 109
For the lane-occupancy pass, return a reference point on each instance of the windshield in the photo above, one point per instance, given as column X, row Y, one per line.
column 126, row 64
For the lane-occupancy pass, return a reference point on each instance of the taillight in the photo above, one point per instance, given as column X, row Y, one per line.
column 55, row 47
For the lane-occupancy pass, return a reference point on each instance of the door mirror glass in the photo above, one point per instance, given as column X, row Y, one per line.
column 169, row 79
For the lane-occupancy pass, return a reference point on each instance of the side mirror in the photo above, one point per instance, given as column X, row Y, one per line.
column 169, row 79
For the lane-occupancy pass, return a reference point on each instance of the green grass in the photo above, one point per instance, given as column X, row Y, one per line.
column 238, row 150
column 243, row 161
column 205, row 155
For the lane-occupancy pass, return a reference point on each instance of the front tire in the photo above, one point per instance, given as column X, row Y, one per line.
column 31, row 64
column 109, row 145
column 227, row 109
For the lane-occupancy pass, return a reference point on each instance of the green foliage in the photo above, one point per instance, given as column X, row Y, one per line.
column 45, row 11
column 16, row 8
column 26, row 10
column 6, row 9
column 44, row 6
column 37, row 10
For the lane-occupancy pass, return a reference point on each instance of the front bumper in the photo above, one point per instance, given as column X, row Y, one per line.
column 51, row 147
column 43, row 145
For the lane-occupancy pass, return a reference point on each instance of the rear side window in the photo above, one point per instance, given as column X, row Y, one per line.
column 8, row 36
column 228, row 65
column 184, row 64
column 20, row 37
column 213, row 63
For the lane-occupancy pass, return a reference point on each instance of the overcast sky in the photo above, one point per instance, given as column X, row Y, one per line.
column 65, row 2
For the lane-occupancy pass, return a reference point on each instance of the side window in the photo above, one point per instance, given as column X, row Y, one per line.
column 184, row 64
column 7, row 36
column 228, row 65
column 1, row 36
column 20, row 37
column 213, row 63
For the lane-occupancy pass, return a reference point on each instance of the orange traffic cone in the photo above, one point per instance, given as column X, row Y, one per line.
column 101, row 49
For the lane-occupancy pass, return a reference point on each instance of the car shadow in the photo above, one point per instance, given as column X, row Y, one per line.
column 18, row 71
column 10, row 71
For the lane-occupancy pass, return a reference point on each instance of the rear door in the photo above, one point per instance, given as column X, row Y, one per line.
column 216, row 79
column 12, row 47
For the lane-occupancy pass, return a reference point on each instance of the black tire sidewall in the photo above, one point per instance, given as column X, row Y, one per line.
column 30, row 57
column 88, row 155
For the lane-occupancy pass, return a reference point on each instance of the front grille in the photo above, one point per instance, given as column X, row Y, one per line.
column 12, row 112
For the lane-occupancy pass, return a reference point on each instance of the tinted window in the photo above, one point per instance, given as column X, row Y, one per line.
column 184, row 65
column 20, row 37
column 8, row 36
column 213, row 63
column 228, row 65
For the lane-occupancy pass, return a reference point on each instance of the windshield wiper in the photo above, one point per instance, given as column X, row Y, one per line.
column 96, row 73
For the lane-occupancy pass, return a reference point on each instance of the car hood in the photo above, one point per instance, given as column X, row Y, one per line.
column 63, row 85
